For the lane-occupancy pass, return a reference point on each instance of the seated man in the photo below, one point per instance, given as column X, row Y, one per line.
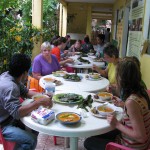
column 11, row 110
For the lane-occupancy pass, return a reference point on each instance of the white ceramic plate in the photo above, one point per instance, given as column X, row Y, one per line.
column 53, row 80
column 93, row 79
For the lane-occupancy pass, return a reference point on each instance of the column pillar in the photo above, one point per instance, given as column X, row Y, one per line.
column 89, row 21
column 60, row 20
column 37, row 17
column 64, row 25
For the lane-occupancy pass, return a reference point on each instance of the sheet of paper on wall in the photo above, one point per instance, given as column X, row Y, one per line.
column 144, row 47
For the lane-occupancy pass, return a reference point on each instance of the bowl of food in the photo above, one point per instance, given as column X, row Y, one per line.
column 105, row 110
column 94, row 75
column 105, row 96
column 39, row 97
column 68, row 117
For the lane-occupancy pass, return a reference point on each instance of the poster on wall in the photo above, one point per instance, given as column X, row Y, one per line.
column 148, row 51
column 135, row 37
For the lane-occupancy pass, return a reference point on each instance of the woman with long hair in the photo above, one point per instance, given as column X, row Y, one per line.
column 134, row 129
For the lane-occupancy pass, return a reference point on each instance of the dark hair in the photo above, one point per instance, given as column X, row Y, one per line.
column 128, row 77
column 19, row 63
column 101, row 37
column 135, row 59
column 59, row 41
column 111, row 50
column 67, row 37
column 55, row 37
column 108, row 29
column 86, row 40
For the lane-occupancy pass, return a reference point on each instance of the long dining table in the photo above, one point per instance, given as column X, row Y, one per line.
column 85, row 85
column 88, row 126
column 81, row 65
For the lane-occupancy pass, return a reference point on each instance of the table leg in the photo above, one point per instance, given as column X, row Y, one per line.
column 73, row 143
column 67, row 145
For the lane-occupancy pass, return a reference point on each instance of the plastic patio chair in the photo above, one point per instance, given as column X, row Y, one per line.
column 7, row 145
column 115, row 146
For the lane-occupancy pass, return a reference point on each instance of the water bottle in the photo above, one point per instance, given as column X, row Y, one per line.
column 50, row 88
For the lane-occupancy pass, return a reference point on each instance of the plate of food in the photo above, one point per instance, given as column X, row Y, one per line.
column 59, row 73
column 103, row 97
column 72, row 77
column 95, row 113
column 101, row 111
column 68, row 118
column 85, row 61
column 53, row 80
column 93, row 76
column 68, row 98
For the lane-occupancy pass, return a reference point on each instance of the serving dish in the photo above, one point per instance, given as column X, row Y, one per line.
column 72, row 77
column 68, row 118
column 68, row 98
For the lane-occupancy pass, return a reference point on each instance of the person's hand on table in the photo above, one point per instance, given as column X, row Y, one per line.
column 46, row 102
column 117, row 101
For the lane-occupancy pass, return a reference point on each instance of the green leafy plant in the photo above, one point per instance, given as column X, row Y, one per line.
column 15, row 36
column 19, row 35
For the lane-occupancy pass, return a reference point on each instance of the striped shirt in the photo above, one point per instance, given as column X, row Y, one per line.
column 128, row 141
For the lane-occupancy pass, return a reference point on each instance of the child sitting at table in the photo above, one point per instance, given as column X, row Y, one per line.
column 134, row 129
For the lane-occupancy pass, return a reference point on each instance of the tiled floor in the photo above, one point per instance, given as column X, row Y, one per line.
column 46, row 142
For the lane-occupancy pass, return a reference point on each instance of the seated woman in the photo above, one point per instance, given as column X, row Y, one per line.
column 134, row 129
column 43, row 64
column 111, row 55
column 77, row 47
column 100, row 45
column 60, row 44
column 87, row 46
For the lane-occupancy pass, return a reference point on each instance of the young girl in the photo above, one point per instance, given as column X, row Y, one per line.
column 135, row 126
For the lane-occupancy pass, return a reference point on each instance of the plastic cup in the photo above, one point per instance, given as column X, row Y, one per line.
column 50, row 88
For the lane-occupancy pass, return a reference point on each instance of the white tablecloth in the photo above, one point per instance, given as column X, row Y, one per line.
column 84, row 85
